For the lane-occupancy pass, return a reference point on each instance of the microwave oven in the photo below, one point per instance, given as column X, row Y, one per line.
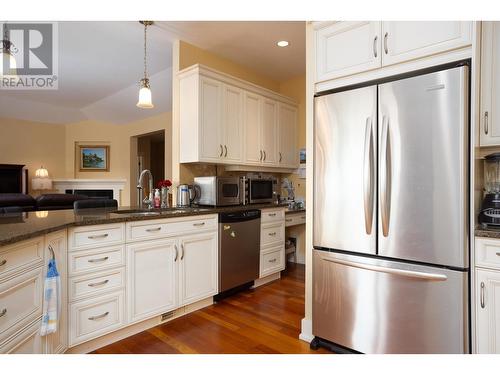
column 219, row 191
column 259, row 190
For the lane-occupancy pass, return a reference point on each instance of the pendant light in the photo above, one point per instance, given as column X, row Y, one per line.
column 7, row 53
column 145, row 100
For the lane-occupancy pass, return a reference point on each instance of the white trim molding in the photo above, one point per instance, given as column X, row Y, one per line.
column 306, row 330
column 117, row 185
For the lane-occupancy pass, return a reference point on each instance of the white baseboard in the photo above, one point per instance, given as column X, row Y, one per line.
column 266, row 279
column 306, row 331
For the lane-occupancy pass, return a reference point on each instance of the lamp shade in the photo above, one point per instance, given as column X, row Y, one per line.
column 41, row 180
column 145, row 100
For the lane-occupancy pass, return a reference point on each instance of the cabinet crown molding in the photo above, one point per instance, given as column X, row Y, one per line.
column 238, row 82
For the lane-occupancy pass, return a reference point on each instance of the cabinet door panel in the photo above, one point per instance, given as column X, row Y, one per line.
column 346, row 48
column 198, row 267
column 210, row 119
column 252, row 109
column 151, row 278
column 269, row 138
column 488, row 311
column 287, row 153
column 233, row 123
column 490, row 84
column 407, row 40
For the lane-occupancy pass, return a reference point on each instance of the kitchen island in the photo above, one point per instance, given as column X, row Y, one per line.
column 122, row 271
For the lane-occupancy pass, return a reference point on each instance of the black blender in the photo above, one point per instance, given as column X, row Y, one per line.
column 489, row 216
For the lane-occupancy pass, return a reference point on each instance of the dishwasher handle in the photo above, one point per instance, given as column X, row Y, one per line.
column 239, row 216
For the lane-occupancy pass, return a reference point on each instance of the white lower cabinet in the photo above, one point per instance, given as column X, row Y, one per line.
column 198, row 267
column 27, row 341
column 95, row 317
column 487, row 311
column 151, row 278
column 272, row 241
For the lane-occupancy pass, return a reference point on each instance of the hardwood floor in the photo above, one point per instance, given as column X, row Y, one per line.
column 264, row 320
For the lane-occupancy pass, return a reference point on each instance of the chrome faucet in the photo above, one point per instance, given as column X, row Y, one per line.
column 147, row 200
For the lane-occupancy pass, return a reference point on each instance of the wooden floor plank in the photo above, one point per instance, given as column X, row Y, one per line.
column 264, row 320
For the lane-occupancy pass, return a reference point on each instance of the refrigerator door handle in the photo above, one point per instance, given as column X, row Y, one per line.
column 368, row 176
column 392, row 271
column 385, row 177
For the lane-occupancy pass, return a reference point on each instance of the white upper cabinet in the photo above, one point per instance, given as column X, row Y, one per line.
column 408, row 40
column 287, row 126
column 253, row 129
column 210, row 119
column 229, row 121
column 269, row 139
column 232, row 138
column 490, row 84
column 345, row 48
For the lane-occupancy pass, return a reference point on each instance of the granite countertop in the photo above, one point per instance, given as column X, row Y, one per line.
column 486, row 232
column 18, row 227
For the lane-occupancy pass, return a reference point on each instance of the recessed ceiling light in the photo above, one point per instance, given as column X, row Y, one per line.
column 282, row 43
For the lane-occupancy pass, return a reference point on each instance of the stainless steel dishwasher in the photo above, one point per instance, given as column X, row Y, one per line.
column 239, row 250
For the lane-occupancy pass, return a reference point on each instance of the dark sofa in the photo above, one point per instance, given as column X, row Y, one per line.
column 46, row 202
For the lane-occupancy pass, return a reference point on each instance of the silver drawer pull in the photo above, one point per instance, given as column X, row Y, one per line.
column 273, row 214
column 272, row 260
column 98, row 260
column 303, row 217
column 272, row 234
column 497, row 254
column 199, row 224
column 3, row 312
column 97, row 236
column 153, row 229
column 99, row 283
column 99, row 316
column 2, row 263
column 288, row 220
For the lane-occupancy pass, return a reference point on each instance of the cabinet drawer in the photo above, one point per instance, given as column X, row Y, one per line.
column 295, row 219
column 273, row 214
column 21, row 255
column 27, row 341
column 488, row 253
column 272, row 261
column 82, row 262
column 273, row 233
column 96, row 284
column 95, row 317
column 20, row 302
column 89, row 237
column 155, row 229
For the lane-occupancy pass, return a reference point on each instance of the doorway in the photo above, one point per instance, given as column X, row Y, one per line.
column 149, row 154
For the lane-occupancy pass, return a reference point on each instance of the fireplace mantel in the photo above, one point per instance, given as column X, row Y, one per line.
column 117, row 185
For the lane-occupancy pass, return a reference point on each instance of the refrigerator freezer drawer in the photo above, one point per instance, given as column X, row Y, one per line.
column 377, row 306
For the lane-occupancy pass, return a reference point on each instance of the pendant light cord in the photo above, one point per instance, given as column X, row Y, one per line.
column 145, row 52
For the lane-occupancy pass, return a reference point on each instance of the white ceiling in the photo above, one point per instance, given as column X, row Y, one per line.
column 250, row 43
column 100, row 64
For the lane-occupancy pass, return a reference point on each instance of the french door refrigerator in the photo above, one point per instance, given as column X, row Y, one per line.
column 390, row 258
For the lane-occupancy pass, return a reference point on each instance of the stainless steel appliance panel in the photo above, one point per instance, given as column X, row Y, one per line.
column 218, row 191
column 345, row 170
column 376, row 306
column 261, row 190
column 423, row 160
column 239, row 250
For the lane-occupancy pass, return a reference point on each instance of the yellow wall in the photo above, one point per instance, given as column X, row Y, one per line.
column 33, row 144
column 190, row 55
column 118, row 137
column 296, row 88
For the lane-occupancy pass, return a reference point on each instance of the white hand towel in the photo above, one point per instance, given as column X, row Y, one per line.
column 51, row 300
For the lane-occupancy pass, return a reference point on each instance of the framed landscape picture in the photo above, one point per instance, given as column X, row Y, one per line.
column 94, row 158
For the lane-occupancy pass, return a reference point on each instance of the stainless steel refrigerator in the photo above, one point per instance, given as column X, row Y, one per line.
column 391, row 246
